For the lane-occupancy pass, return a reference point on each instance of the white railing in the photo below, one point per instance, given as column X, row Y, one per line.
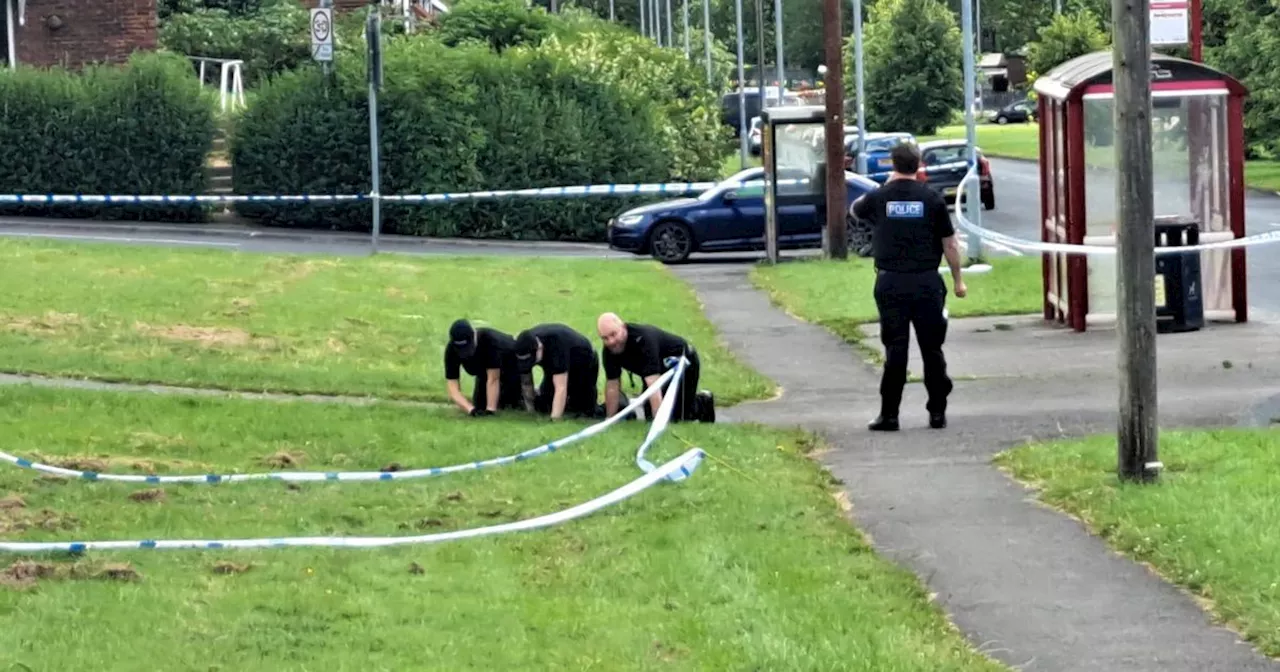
column 231, row 86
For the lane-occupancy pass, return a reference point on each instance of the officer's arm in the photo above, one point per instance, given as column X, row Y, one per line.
column 492, row 387
column 947, row 232
column 861, row 207
column 561, row 382
column 455, row 394
column 612, row 391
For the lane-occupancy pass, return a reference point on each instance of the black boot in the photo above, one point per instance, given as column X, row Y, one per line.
column 884, row 424
column 937, row 419
column 706, row 406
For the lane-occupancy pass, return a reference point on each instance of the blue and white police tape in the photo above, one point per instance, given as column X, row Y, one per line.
column 663, row 416
column 1101, row 250
column 347, row 476
column 658, row 188
column 686, row 464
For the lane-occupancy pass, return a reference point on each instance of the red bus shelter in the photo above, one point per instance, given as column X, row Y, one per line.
column 1198, row 170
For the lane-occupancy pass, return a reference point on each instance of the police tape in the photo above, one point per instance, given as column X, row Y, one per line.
column 347, row 476
column 685, row 464
column 677, row 469
column 1101, row 250
column 657, row 188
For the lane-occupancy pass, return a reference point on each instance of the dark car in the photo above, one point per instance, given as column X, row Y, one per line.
column 944, row 164
column 879, row 145
column 1019, row 112
column 729, row 217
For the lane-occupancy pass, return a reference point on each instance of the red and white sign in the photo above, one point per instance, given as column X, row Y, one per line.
column 1170, row 23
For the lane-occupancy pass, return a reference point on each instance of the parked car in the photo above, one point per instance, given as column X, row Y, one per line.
column 1019, row 112
column 729, row 217
column 879, row 165
column 944, row 164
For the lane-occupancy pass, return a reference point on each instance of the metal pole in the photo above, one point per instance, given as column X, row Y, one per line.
column 685, row 4
column 643, row 27
column 656, row 21
column 612, row 16
column 706, row 35
column 742, row 94
column 670, row 39
column 862, row 107
column 971, row 131
column 977, row 23
column 777, row 42
column 374, row 35
column 1137, row 437
column 760, row 72
column 835, row 242
column 327, row 66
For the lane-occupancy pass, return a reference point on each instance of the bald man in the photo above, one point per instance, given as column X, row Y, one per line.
column 641, row 349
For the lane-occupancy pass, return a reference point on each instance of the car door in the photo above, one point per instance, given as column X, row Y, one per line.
column 798, row 223
column 736, row 217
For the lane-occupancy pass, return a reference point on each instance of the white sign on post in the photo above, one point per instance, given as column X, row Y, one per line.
column 322, row 34
column 1170, row 23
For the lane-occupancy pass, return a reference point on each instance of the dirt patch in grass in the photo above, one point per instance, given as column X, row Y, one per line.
column 12, row 502
column 228, row 567
column 19, row 518
column 26, row 574
column 206, row 336
column 105, row 463
column 52, row 322
column 152, row 495
column 285, row 459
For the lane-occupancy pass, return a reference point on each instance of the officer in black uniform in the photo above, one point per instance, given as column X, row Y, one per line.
column 489, row 355
column 642, row 349
column 911, row 233
column 570, row 371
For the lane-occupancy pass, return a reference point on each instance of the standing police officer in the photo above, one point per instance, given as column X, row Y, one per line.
column 570, row 370
column 489, row 355
column 911, row 232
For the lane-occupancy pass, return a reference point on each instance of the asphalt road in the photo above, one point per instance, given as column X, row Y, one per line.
column 1017, row 214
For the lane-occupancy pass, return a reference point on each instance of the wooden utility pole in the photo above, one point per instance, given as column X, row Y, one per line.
column 835, row 241
column 1135, row 241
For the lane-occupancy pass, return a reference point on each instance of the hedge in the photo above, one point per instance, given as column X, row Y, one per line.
column 145, row 127
column 450, row 119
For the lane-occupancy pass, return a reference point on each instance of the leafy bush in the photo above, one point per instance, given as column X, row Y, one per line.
column 145, row 127
column 498, row 23
column 920, row 98
column 271, row 40
column 1064, row 38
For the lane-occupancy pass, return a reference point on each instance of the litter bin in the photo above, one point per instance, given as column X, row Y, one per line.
column 1179, row 300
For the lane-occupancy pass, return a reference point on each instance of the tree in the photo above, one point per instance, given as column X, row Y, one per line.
column 1067, row 36
column 913, row 60
column 498, row 23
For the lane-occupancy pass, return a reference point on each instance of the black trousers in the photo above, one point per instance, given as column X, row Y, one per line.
column 583, row 393
column 509, row 394
column 686, row 403
column 906, row 300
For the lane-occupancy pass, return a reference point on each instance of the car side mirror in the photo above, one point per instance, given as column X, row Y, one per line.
column 729, row 196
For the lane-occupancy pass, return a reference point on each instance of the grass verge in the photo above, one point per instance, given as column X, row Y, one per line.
column 314, row 324
column 839, row 295
column 1209, row 526
column 718, row 572
column 1022, row 141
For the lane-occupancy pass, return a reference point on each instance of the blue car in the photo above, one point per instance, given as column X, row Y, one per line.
column 879, row 165
column 729, row 217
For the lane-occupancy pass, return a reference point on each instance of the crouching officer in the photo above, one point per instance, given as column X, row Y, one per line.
column 570, row 371
column 489, row 355
column 642, row 349
column 911, row 233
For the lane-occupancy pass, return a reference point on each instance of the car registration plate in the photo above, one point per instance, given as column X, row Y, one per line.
column 950, row 191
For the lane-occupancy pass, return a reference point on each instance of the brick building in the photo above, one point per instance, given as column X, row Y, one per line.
column 75, row 32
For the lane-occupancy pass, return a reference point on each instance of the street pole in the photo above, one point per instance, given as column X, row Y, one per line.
column 971, row 132
column 612, row 16
column 857, row 69
column 835, row 242
column 373, row 36
column 1135, row 254
column 706, row 35
column 760, row 74
column 777, row 43
column 685, row 4
column 742, row 92
column 657, row 21
column 670, row 39
column 643, row 28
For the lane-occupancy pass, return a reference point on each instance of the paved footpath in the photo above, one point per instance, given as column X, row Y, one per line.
column 1029, row 586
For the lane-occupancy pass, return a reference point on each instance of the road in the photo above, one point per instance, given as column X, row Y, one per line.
column 1017, row 214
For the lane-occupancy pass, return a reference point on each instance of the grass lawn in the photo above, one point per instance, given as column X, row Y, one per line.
column 747, row 566
column 1022, row 141
column 314, row 324
column 1212, row 525
column 839, row 294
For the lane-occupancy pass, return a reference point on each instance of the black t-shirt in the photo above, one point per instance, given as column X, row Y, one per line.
column 645, row 348
column 909, row 220
column 561, row 347
column 494, row 350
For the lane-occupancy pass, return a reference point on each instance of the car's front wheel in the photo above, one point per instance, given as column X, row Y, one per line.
column 859, row 235
column 1002, row 120
column 671, row 242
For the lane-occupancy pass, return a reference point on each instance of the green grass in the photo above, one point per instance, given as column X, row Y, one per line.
column 733, row 164
column 839, row 295
column 749, row 564
column 1022, row 141
column 1210, row 525
column 314, row 324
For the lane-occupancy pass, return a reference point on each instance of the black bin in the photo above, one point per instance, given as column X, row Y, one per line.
column 1179, row 299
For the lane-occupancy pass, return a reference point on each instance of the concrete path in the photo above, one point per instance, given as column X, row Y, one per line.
column 1030, row 586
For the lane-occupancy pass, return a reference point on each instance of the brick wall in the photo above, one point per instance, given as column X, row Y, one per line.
column 77, row 32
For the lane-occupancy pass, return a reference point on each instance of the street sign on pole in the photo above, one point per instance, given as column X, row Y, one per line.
column 322, row 34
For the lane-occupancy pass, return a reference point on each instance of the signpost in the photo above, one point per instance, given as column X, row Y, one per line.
column 1170, row 23
column 322, row 33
